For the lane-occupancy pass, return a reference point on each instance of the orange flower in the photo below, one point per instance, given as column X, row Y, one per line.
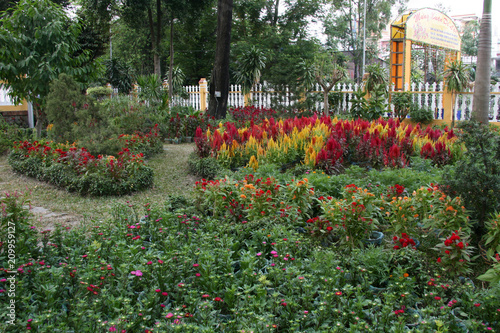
column 450, row 208
column 406, row 274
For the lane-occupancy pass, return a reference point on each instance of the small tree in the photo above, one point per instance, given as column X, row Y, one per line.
column 328, row 73
column 457, row 77
column 64, row 99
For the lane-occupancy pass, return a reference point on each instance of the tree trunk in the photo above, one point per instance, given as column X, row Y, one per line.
column 155, row 40
column 39, row 121
column 171, row 67
column 275, row 16
column 220, row 74
column 481, row 102
column 325, row 105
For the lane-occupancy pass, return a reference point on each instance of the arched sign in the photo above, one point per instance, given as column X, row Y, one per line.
column 430, row 26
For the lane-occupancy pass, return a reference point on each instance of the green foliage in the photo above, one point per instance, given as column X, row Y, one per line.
column 207, row 168
column 63, row 101
column 359, row 105
column 151, row 89
column 250, row 64
column 372, row 109
column 403, row 103
column 476, row 177
column 76, row 170
column 491, row 239
column 39, row 51
column 470, row 40
column 422, row 114
column 18, row 237
column 457, row 76
column 9, row 133
column 99, row 93
column 376, row 80
column 119, row 75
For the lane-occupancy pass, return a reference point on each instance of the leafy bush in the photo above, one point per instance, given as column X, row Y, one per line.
column 476, row 176
column 9, row 133
column 422, row 114
column 63, row 102
column 403, row 103
column 99, row 93
column 207, row 168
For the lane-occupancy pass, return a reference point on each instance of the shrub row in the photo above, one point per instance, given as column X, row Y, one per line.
column 76, row 170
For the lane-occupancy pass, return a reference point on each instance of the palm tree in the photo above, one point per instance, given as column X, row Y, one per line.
column 481, row 103
column 251, row 62
column 457, row 77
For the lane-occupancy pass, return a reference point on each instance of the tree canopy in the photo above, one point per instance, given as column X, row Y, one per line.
column 42, row 43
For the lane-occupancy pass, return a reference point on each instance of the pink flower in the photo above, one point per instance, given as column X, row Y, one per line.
column 112, row 328
column 164, row 293
column 196, row 265
column 136, row 273
column 169, row 315
column 259, row 254
column 149, row 262
column 157, row 290
column 274, row 252
column 160, row 261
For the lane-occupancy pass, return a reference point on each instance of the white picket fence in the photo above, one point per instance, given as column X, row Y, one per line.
column 263, row 95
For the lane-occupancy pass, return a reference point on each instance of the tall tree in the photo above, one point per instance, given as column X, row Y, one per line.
column 42, row 43
column 470, row 38
column 481, row 103
column 345, row 21
column 219, row 83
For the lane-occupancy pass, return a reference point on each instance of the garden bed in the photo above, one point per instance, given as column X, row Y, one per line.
column 76, row 170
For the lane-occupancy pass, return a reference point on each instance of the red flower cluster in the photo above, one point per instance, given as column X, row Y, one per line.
column 453, row 240
column 403, row 241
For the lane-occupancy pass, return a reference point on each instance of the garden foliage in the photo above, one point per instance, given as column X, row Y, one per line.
column 76, row 170
column 157, row 269
column 476, row 176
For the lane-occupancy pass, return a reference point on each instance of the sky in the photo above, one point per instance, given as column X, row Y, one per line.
column 458, row 7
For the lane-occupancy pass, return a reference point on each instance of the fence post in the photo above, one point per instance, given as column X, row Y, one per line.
column 108, row 85
column 203, row 93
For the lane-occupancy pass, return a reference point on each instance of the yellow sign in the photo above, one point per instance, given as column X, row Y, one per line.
column 430, row 26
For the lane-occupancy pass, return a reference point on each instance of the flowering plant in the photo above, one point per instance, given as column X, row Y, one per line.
column 455, row 253
column 77, row 170
column 403, row 241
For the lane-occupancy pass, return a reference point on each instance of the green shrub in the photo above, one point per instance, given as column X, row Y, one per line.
column 63, row 102
column 422, row 114
column 476, row 177
column 207, row 168
column 99, row 93
column 402, row 104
